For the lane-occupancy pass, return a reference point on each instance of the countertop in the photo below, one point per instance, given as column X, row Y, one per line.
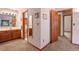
column 9, row 28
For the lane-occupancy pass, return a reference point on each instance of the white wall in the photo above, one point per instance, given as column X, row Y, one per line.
column 18, row 22
column 41, row 32
column 75, row 36
column 45, row 27
column 61, row 23
column 36, row 28
column 20, row 16
column 67, row 23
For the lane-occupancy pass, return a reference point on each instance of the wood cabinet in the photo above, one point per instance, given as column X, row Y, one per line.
column 30, row 31
column 16, row 34
column 9, row 35
column 5, row 35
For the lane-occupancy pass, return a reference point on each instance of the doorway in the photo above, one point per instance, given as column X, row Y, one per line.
column 66, row 22
column 30, row 26
column 67, row 28
column 61, row 24
column 27, row 25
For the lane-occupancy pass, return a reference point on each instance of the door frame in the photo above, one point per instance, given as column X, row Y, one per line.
column 32, row 26
column 59, row 15
column 51, row 26
column 71, row 24
column 70, row 9
column 69, row 13
column 23, row 24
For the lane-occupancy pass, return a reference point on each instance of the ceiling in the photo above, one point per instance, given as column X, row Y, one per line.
column 60, row 9
column 23, row 9
column 19, row 9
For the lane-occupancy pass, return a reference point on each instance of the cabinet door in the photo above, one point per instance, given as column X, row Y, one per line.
column 5, row 35
column 16, row 34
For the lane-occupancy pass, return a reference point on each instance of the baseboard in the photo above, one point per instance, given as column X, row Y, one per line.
column 37, row 47
column 75, row 44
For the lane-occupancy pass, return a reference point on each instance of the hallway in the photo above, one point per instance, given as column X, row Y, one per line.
column 62, row 44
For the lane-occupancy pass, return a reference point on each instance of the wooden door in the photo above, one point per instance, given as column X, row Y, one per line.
column 55, row 25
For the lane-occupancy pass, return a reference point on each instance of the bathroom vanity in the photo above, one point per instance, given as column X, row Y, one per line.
column 9, row 34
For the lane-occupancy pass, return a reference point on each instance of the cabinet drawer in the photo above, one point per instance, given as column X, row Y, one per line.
column 10, row 35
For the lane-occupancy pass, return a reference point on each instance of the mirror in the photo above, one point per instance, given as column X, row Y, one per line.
column 30, row 25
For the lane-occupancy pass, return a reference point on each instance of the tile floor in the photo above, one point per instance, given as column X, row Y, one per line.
column 63, row 44
column 16, row 45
